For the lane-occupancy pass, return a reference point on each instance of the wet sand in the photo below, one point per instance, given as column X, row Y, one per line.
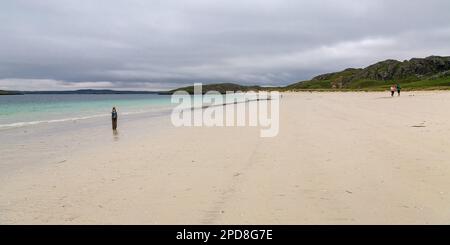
column 340, row 158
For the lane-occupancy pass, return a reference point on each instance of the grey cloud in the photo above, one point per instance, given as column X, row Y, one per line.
column 165, row 44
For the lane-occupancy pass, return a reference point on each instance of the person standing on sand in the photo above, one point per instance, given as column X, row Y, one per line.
column 114, row 118
column 399, row 89
column 393, row 88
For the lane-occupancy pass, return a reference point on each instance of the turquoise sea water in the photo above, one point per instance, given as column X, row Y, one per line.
column 25, row 110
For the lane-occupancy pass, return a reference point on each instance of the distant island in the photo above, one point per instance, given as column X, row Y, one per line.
column 90, row 91
column 3, row 92
column 80, row 91
column 431, row 73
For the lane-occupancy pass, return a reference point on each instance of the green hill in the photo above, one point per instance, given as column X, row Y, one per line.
column 416, row 74
column 429, row 73
column 221, row 88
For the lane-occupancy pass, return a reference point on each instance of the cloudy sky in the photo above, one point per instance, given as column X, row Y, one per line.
column 156, row 45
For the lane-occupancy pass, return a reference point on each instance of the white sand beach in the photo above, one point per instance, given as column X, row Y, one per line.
column 340, row 158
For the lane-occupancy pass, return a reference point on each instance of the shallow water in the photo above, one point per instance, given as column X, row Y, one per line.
column 26, row 110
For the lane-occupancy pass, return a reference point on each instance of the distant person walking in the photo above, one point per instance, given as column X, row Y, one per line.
column 393, row 89
column 114, row 118
column 399, row 89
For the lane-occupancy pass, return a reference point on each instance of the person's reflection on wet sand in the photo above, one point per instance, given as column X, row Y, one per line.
column 116, row 135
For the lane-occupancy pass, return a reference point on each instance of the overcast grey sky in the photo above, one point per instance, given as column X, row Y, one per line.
column 152, row 45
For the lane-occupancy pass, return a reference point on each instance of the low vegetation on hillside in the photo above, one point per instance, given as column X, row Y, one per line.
column 430, row 73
